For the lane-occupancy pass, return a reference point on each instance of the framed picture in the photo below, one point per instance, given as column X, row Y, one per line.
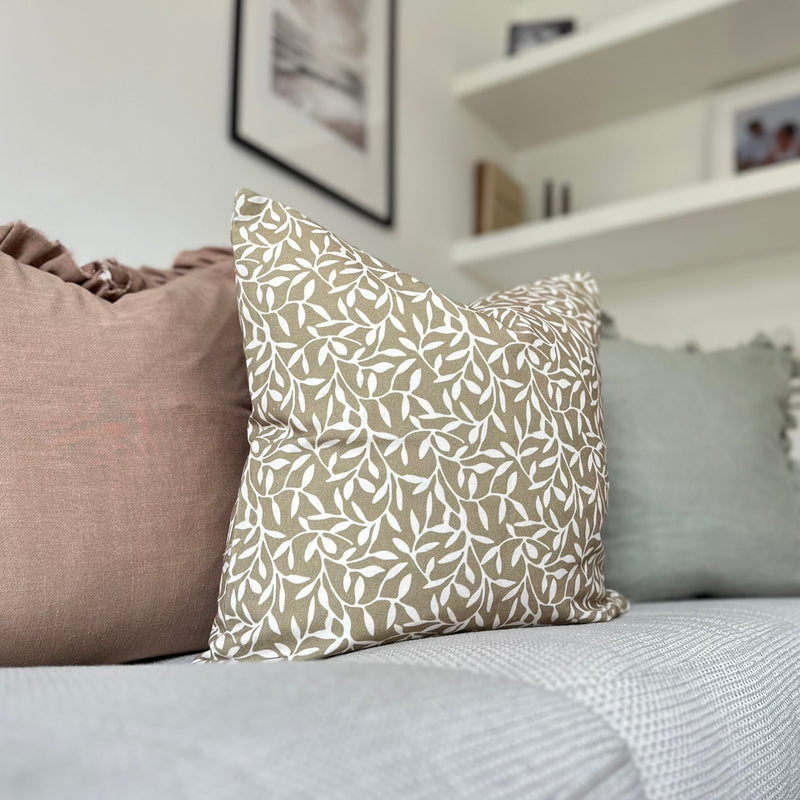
column 526, row 35
column 313, row 91
column 756, row 125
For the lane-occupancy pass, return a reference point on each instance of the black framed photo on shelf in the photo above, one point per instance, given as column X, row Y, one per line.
column 313, row 91
column 527, row 35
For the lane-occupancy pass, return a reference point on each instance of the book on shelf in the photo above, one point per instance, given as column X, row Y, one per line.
column 500, row 200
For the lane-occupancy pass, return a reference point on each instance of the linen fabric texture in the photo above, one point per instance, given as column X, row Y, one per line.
column 121, row 449
column 703, row 500
column 416, row 466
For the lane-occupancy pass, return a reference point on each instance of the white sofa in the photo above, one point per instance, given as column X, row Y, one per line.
column 694, row 699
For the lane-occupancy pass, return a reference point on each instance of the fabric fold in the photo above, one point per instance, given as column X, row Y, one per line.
column 105, row 278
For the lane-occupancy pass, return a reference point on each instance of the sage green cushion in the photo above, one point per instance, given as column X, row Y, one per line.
column 702, row 498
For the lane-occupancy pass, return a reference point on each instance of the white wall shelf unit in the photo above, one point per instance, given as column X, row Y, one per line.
column 652, row 58
column 735, row 218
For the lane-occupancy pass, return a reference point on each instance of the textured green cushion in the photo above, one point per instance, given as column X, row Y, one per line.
column 702, row 498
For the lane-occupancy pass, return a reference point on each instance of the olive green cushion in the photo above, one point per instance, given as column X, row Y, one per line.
column 702, row 498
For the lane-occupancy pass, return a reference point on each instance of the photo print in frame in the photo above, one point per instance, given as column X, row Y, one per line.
column 756, row 125
column 313, row 91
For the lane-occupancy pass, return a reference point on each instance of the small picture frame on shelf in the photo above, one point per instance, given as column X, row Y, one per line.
column 755, row 125
column 524, row 36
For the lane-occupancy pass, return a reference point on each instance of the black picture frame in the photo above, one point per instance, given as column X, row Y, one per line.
column 238, row 136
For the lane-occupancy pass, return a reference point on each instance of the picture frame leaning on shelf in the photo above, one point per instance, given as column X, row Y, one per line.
column 755, row 125
column 524, row 36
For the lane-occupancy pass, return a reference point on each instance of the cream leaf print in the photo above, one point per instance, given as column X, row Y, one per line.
column 417, row 466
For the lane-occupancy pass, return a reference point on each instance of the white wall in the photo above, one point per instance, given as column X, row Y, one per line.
column 651, row 153
column 114, row 134
column 114, row 139
column 714, row 305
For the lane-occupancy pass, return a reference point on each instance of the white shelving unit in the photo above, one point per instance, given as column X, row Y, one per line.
column 704, row 223
column 664, row 53
column 657, row 56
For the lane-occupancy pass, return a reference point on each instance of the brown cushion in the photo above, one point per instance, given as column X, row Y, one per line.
column 121, row 446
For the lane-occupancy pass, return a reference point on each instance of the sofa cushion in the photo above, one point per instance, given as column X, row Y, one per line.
column 674, row 701
column 121, row 446
column 703, row 501
column 417, row 467
column 330, row 729
column 706, row 693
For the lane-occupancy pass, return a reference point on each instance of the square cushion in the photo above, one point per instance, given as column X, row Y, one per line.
column 703, row 501
column 416, row 467
column 121, row 448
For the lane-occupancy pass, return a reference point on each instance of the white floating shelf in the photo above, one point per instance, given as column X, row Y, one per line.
column 645, row 60
column 705, row 223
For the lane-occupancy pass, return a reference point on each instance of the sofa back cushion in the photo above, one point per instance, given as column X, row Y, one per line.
column 702, row 497
column 121, row 445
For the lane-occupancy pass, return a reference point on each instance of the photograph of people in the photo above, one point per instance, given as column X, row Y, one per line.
column 768, row 134
column 755, row 148
column 787, row 143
